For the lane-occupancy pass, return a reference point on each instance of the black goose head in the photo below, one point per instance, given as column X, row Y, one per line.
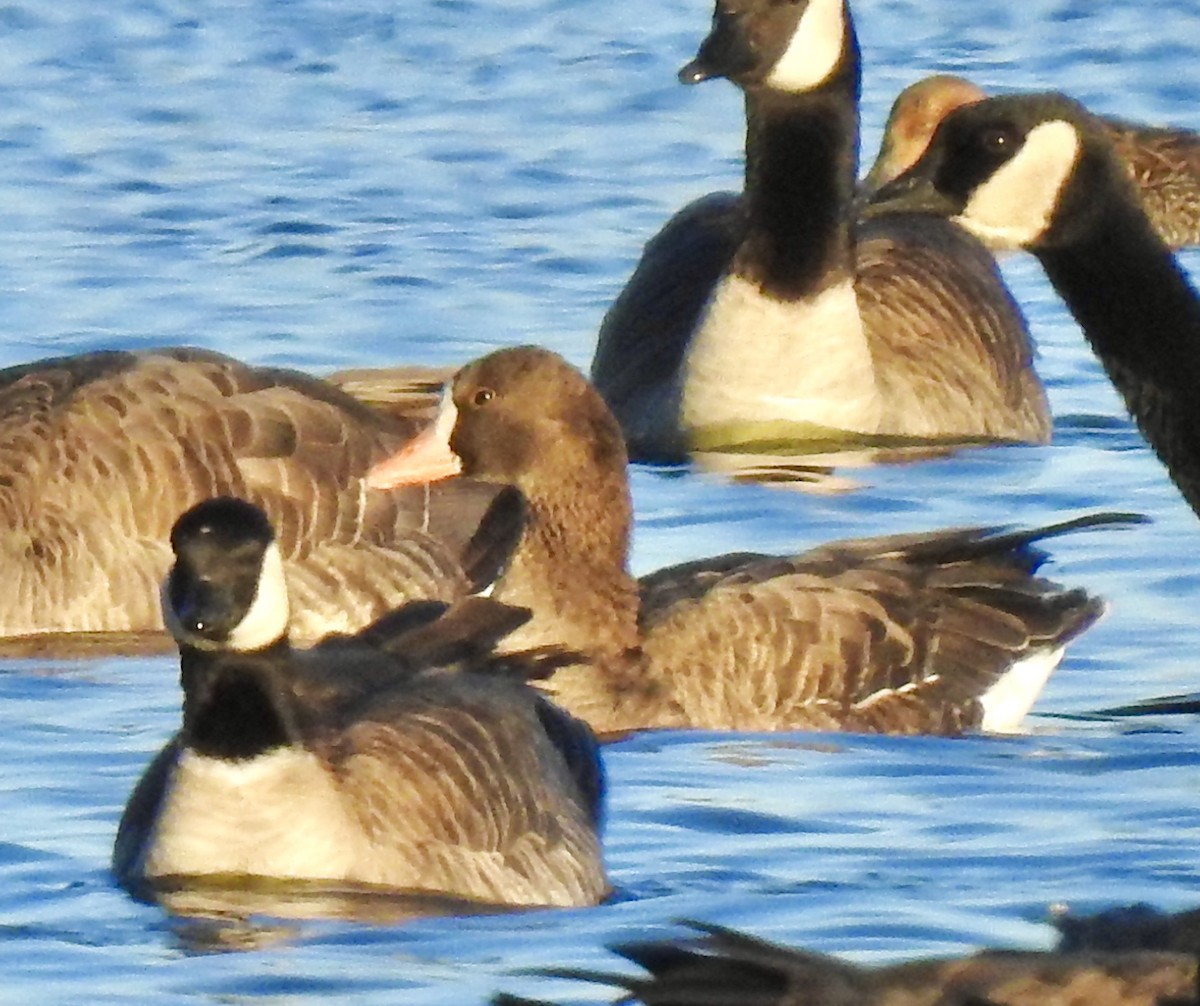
column 1019, row 171
column 226, row 590
column 782, row 45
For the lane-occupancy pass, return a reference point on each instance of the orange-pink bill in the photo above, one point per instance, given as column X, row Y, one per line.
column 425, row 458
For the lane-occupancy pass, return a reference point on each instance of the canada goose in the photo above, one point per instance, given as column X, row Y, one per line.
column 910, row 633
column 1163, row 163
column 774, row 317
column 99, row 452
column 723, row 967
column 1038, row 172
column 406, row 757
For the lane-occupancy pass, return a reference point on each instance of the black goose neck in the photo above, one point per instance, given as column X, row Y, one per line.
column 235, row 706
column 1130, row 297
column 801, row 165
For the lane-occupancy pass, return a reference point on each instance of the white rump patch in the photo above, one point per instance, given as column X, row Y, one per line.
column 815, row 49
column 1009, row 699
column 267, row 620
column 1014, row 207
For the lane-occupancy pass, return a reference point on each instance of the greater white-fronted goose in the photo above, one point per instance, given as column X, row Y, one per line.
column 100, row 452
column 723, row 967
column 773, row 317
column 1162, row 162
column 1038, row 172
column 937, row 632
column 408, row 757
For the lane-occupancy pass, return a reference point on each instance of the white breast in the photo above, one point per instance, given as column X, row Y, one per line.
column 277, row 815
column 758, row 360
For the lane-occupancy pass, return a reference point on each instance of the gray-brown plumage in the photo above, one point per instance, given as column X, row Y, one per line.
column 1134, row 927
column 100, row 452
column 904, row 634
column 1038, row 172
column 727, row 968
column 1163, row 163
column 773, row 316
column 409, row 756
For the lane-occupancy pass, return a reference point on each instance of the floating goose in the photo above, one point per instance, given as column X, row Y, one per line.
column 770, row 317
column 100, row 452
column 407, row 757
column 1164, row 163
column 1038, row 172
column 723, row 967
column 937, row 632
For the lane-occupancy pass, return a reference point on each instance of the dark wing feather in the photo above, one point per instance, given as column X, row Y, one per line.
column 901, row 633
column 646, row 331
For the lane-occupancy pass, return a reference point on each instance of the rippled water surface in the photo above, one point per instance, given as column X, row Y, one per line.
column 328, row 184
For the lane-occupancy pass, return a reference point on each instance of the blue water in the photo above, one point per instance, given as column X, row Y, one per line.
column 329, row 183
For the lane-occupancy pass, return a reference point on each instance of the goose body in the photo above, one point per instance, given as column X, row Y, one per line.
column 773, row 317
column 723, row 967
column 1162, row 162
column 407, row 757
column 100, row 452
column 1038, row 172
column 911, row 633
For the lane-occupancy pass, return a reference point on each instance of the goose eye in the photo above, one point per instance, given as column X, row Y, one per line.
column 483, row 396
column 998, row 142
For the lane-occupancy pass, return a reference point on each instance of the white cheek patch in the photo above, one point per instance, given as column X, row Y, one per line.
column 1014, row 207
column 447, row 415
column 267, row 620
column 815, row 49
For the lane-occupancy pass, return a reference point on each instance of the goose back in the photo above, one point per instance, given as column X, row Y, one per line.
column 101, row 451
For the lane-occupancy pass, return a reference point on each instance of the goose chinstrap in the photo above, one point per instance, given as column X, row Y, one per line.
column 101, row 451
column 1162, row 162
column 717, row 966
column 1039, row 172
column 931, row 632
column 771, row 316
column 408, row 757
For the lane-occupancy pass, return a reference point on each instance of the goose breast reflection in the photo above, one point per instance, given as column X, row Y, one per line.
column 408, row 756
column 931, row 632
